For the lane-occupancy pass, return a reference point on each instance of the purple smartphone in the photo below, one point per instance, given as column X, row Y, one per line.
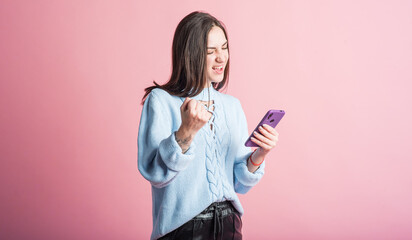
column 271, row 118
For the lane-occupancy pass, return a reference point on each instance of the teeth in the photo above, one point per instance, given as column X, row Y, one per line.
column 218, row 68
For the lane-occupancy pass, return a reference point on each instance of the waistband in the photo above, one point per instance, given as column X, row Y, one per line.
column 217, row 208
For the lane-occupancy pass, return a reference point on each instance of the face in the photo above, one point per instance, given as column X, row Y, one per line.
column 217, row 55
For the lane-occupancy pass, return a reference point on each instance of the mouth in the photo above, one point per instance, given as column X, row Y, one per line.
column 218, row 69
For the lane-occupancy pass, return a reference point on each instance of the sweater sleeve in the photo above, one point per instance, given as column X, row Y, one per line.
column 243, row 179
column 160, row 158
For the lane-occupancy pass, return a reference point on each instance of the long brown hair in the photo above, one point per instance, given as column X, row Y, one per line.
column 189, row 50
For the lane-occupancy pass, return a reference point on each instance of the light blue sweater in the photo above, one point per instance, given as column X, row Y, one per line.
column 213, row 169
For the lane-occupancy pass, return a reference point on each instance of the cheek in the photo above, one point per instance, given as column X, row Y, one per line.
column 209, row 62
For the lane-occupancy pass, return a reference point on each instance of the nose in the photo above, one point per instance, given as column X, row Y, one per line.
column 220, row 57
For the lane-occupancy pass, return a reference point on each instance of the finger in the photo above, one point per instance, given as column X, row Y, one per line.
column 266, row 133
column 207, row 115
column 276, row 133
column 263, row 139
column 199, row 106
column 205, row 109
column 200, row 110
column 192, row 107
column 203, row 113
column 184, row 104
column 260, row 143
column 270, row 129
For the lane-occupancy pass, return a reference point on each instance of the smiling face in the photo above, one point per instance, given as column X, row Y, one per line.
column 217, row 55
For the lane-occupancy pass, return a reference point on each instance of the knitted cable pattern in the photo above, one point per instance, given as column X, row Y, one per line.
column 215, row 159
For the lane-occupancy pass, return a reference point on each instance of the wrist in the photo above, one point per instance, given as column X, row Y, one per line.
column 184, row 139
column 261, row 152
column 182, row 133
column 253, row 158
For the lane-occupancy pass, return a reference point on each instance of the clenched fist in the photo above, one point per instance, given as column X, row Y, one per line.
column 194, row 117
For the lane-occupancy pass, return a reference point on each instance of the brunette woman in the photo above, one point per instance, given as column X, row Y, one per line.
column 191, row 140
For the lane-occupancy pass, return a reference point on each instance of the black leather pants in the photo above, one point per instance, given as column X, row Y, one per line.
column 219, row 221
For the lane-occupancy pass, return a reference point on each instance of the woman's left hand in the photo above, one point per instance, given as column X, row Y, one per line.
column 266, row 139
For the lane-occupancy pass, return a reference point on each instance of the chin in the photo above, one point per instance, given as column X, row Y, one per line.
column 217, row 80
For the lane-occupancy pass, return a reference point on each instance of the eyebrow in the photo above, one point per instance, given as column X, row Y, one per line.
column 215, row 48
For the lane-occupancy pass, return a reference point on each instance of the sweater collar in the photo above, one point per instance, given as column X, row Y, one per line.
column 203, row 95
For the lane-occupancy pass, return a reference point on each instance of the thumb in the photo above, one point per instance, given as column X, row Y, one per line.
column 184, row 104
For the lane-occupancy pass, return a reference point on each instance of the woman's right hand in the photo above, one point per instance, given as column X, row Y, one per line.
column 194, row 117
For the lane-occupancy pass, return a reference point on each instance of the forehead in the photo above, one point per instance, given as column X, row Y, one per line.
column 216, row 37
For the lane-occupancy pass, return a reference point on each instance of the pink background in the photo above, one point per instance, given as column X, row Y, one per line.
column 72, row 76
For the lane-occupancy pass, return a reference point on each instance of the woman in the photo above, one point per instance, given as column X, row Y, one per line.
column 191, row 140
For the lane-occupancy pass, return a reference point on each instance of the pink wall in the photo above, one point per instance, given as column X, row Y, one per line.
column 72, row 76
